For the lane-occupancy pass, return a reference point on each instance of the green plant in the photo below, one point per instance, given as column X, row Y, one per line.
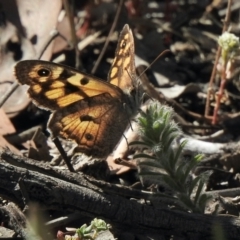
column 161, row 164
column 91, row 231
column 229, row 44
column 85, row 232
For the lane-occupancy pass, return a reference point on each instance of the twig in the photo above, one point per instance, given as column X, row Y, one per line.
column 220, row 94
column 69, row 10
column 63, row 154
column 9, row 92
column 53, row 35
column 225, row 26
column 20, row 137
column 108, row 37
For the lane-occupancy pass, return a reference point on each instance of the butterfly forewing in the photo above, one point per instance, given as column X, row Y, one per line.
column 123, row 72
column 53, row 86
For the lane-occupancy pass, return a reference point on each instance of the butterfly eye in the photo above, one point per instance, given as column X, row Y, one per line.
column 43, row 72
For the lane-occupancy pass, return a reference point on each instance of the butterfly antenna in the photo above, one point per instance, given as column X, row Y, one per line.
column 126, row 139
column 129, row 121
column 130, row 124
column 160, row 55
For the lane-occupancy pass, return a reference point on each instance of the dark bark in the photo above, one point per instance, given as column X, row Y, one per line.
column 73, row 192
column 17, row 220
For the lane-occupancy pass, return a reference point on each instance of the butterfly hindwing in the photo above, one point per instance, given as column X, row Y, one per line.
column 90, row 122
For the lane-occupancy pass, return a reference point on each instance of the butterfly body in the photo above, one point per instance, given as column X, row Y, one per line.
column 90, row 111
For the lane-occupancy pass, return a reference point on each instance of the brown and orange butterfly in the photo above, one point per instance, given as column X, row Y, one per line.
column 90, row 111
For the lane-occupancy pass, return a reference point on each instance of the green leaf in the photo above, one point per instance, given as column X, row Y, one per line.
column 186, row 201
column 193, row 184
column 202, row 202
column 171, row 183
column 161, row 164
column 199, row 191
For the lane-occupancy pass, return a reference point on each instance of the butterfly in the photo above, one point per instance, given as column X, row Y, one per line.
column 91, row 111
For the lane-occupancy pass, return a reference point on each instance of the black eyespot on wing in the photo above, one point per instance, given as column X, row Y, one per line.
column 84, row 81
column 44, row 72
column 89, row 136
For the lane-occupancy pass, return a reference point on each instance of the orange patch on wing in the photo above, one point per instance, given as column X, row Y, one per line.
column 36, row 88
